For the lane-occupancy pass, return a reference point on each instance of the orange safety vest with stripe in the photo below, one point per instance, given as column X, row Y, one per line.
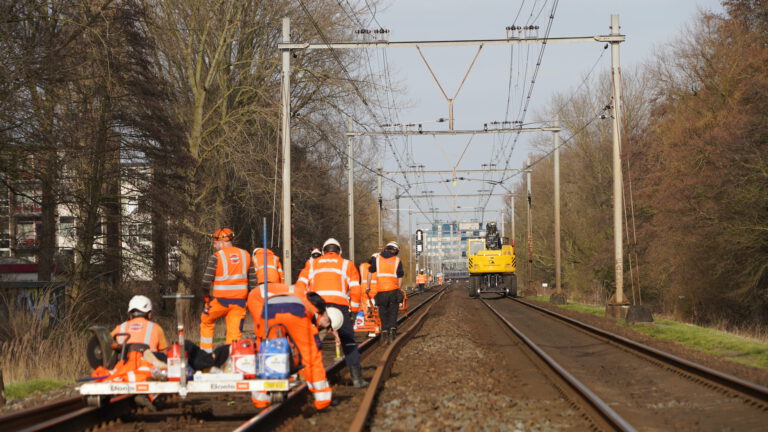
column 386, row 273
column 421, row 278
column 332, row 277
column 231, row 280
column 142, row 331
column 274, row 267
column 364, row 271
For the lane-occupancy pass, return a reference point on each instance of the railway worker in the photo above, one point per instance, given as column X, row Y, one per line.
column 367, row 289
column 141, row 331
column 302, row 317
column 421, row 281
column 274, row 267
column 226, row 276
column 332, row 277
column 389, row 275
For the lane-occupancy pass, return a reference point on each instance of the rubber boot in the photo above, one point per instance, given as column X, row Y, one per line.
column 357, row 377
column 385, row 337
column 392, row 334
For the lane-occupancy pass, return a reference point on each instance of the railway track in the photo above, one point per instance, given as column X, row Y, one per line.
column 632, row 386
column 194, row 413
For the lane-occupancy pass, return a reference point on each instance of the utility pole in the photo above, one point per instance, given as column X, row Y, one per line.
column 617, row 175
column 558, row 297
column 286, row 126
column 410, row 243
column 397, row 206
column 381, row 234
column 351, row 194
column 512, row 217
column 530, row 227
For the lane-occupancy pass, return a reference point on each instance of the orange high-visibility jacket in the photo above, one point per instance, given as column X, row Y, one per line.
column 274, row 267
column 255, row 302
column 332, row 276
column 231, row 280
column 364, row 270
column 421, row 278
column 142, row 331
column 386, row 273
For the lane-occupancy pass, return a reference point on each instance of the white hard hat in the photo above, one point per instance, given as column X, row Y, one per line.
column 393, row 244
column 375, row 255
column 331, row 241
column 140, row 303
column 336, row 317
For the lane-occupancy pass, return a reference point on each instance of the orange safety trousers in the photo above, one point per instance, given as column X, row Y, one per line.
column 235, row 314
column 305, row 336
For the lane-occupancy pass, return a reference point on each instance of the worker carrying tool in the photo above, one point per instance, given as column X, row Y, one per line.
column 302, row 315
column 333, row 278
column 389, row 276
column 274, row 267
column 421, row 281
column 226, row 276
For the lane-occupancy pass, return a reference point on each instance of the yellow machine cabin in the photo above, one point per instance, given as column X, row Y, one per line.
column 491, row 265
column 481, row 260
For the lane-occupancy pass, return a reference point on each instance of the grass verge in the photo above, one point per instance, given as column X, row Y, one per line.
column 23, row 389
column 748, row 351
column 716, row 342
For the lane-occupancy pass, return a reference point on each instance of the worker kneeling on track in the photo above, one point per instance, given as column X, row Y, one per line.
column 301, row 314
column 141, row 346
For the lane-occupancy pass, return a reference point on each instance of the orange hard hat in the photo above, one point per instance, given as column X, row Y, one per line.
column 223, row 234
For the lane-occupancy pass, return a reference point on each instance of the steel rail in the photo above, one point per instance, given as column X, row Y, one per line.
column 65, row 415
column 270, row 415
column 73, row 413
column 731, row 382
column 384, row 368
column 600, row 406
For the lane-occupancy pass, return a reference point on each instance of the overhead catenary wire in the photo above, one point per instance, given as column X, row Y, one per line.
column 530, row 90
column 356, row 89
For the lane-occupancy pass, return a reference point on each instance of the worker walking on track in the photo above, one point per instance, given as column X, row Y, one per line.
column 332, row 277
column 226, row 276
column 421, row 281
column 389, row 275
column 290, row 307
column 274, row 267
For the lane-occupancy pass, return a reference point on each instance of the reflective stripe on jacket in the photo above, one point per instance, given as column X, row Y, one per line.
column 274, row 267
column 142, row 331
column 231, row 280
column 332, row 276
column 386, row 273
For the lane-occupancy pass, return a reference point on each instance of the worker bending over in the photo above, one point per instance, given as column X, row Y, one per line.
column 334, row 279
column 389, row 276
column 290, row 306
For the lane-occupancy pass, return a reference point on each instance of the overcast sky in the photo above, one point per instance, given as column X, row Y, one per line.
column 490, row 88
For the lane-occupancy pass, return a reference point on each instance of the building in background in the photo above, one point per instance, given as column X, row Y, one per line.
column 445, row 246
column 21, row 222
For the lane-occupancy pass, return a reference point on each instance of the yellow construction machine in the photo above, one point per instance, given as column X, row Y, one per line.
column 491, row 265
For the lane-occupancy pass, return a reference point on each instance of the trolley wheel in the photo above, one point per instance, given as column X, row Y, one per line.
column 97, row 401
column 276, row 397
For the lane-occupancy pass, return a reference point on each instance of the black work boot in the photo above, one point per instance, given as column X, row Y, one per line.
column 384, row 336
column 357, row 377
column 392, row 334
